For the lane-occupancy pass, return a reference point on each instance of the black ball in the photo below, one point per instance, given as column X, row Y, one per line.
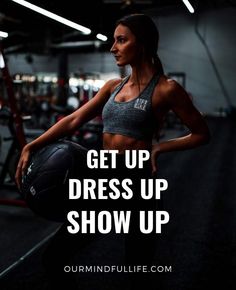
column 45, row 183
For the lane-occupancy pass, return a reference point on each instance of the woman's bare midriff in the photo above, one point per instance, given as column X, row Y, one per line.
column 122, row 143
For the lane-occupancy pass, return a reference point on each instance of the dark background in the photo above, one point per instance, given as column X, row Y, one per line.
column 199, row 242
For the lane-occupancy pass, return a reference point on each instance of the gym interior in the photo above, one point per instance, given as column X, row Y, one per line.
column 50, row 69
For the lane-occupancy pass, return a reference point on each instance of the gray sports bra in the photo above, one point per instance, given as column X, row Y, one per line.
column 133, row 118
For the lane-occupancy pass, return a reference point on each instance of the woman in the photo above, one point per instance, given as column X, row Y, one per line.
column 136, row 42
column 133, row 110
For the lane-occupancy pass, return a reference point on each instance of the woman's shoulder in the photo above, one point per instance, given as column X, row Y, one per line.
column 167, row 85
column 169, row 91
column 113, row 83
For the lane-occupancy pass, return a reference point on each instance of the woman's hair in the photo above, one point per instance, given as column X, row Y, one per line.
column 147, row 35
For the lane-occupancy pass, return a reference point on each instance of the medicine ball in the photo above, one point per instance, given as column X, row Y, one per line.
column 45, row 183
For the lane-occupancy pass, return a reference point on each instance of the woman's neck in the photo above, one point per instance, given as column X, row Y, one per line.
column 142, row 74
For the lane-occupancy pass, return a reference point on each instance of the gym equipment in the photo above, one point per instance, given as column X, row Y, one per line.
column 45, row 184
column 7, row 173
column 17, row 118
column 15, row 123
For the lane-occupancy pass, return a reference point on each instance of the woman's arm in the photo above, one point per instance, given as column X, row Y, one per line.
column 180, row 103
column 66, row 126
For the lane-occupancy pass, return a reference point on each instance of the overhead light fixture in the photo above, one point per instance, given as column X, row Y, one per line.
column 54, row 16
column 189, row 6
column 2, row 62
column 101, row 37
column 3, row 34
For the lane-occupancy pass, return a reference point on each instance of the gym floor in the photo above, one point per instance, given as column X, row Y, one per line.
column 199, row 242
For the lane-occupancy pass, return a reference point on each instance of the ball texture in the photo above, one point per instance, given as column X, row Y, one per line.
column 45, row 182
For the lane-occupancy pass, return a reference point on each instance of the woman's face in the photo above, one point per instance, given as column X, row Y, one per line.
column 124, row 48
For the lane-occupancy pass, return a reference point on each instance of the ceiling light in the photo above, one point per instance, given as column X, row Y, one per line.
column 2, row 62
column 53, row 16
column 189, row 6
column 101, row 37
column 3, row 34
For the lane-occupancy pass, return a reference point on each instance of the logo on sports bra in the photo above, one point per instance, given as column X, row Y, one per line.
column 140, row 104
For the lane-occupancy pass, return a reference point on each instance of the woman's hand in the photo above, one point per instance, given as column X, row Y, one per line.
column 22, row 164
column 154, row 155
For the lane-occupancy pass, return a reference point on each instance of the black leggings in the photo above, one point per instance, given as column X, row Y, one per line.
column 139, row 247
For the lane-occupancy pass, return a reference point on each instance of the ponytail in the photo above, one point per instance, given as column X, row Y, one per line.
column 158, row 64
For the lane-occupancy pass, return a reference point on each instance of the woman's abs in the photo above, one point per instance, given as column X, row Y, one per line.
column 122, row 143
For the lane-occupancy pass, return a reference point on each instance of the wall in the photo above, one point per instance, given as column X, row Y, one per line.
column 181, row 50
